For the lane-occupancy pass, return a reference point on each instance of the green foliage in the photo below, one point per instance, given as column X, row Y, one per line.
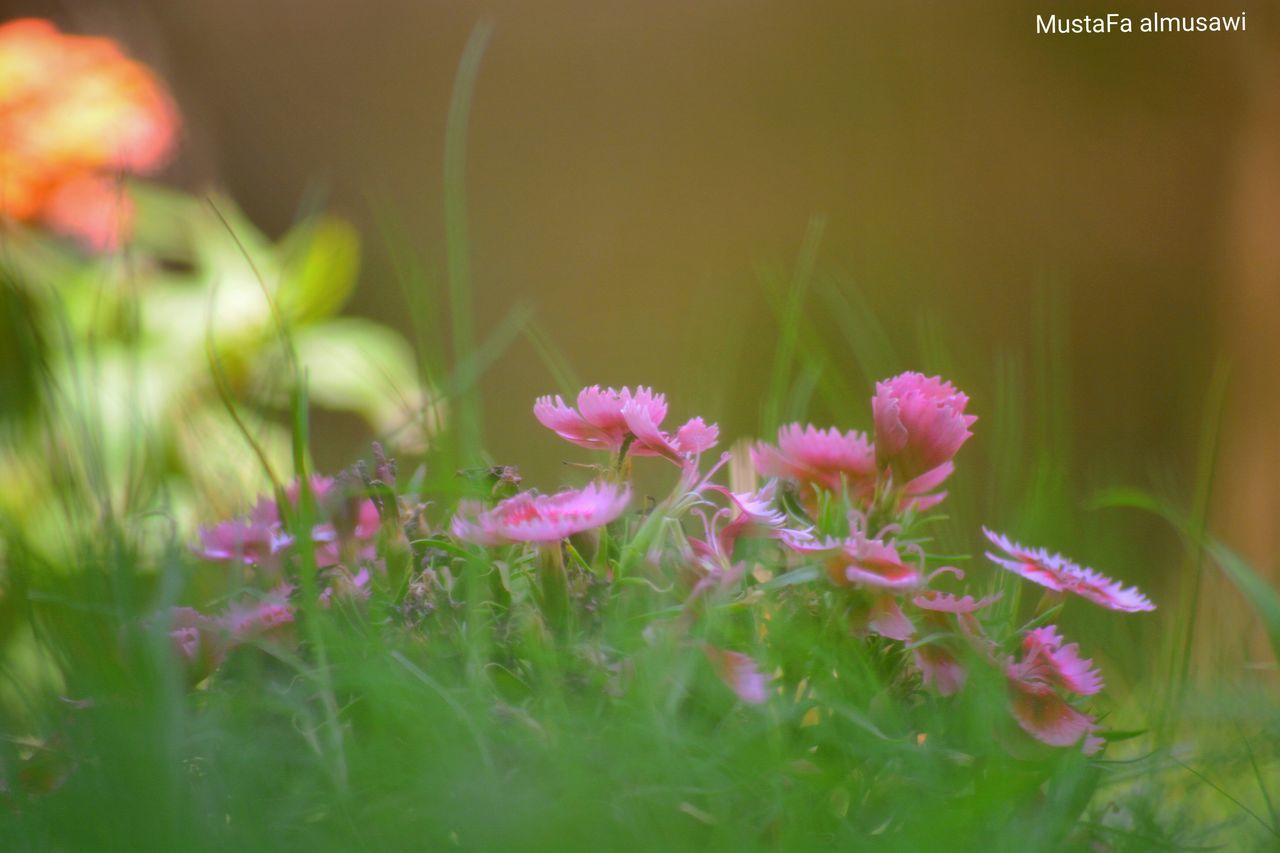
column 118, row 351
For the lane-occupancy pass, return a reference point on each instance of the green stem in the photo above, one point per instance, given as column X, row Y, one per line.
column 555, row 589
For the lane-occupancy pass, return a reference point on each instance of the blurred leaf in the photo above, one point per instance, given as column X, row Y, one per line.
column 1260, row 595
column 22, row 350
column 357, row 365
column 321, row 260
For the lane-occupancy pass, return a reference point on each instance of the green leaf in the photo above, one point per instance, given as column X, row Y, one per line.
column 1262, row 597
column 359, row 366
column 320, row 261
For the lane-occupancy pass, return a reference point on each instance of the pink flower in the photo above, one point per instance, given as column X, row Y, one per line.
column 1048, row 718
column 739, row 673
column 269, row 617
column 940, row 668
column 1046, row 660
column 945, row 602
column 198, row 641
column 346, row 521
column 1048, row 667
column 605, row 419
column 886, row 618
column 859, row 560
column 355, row 587
column 689, row 440
column 749, row 514
column 937, row 660
column 530, row 517
column 254, row 540
column 819, row 458
column 1060, row 574
column 920, row 424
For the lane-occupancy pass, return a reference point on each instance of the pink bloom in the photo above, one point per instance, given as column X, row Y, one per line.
column 939, row 668
column 1058, row 573
column 916, row 493
column 859, row 561
column 689, row 440
column 819, row 458
column 269, row 617
column 739, row 673
column 920, row 423
column 606, row 418
column 255, row 540
column 936, row 659
column 346, row 585
column 1048, row 717
column 530, row 517
column 945, row 602
column 258, row 539
column 1047, row 661
column 753, row 514
column 1048, row 667
column 887, row 619
column 198, row 642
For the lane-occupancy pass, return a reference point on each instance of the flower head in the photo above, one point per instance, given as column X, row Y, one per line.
column 1058, row 573
column 608, row 419
column 938, row 661
column 257, row 539
column 819, row 458
column 920, row 423
column 859, row 560
column 269, row 617
column 940, row 668
column 76, row 112
column 198, row 642
column 530, row 517
column 1046, row 660
column 348, row 527
column 1049, row 668
column 748, row 514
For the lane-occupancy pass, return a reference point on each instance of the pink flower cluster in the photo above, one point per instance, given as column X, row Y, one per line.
column 920, row 425
column 530, row 517
column 623, row 421
column 259, row 538
column 202, row 642
column 344, row 544
column 837, row 506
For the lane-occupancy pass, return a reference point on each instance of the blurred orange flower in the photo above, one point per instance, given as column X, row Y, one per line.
column 76, row 114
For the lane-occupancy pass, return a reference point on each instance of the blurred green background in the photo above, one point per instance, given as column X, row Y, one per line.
column 636, row 169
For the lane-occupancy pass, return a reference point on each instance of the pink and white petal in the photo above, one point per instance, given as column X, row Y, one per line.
column 739, row 673
column 649, row 439
column 1109, row 593
column 562, row 419
column 888, row 620
column 930, row 480
column 1048, row 718
column 939, row 668
column 945, row 602
column 696, row 436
